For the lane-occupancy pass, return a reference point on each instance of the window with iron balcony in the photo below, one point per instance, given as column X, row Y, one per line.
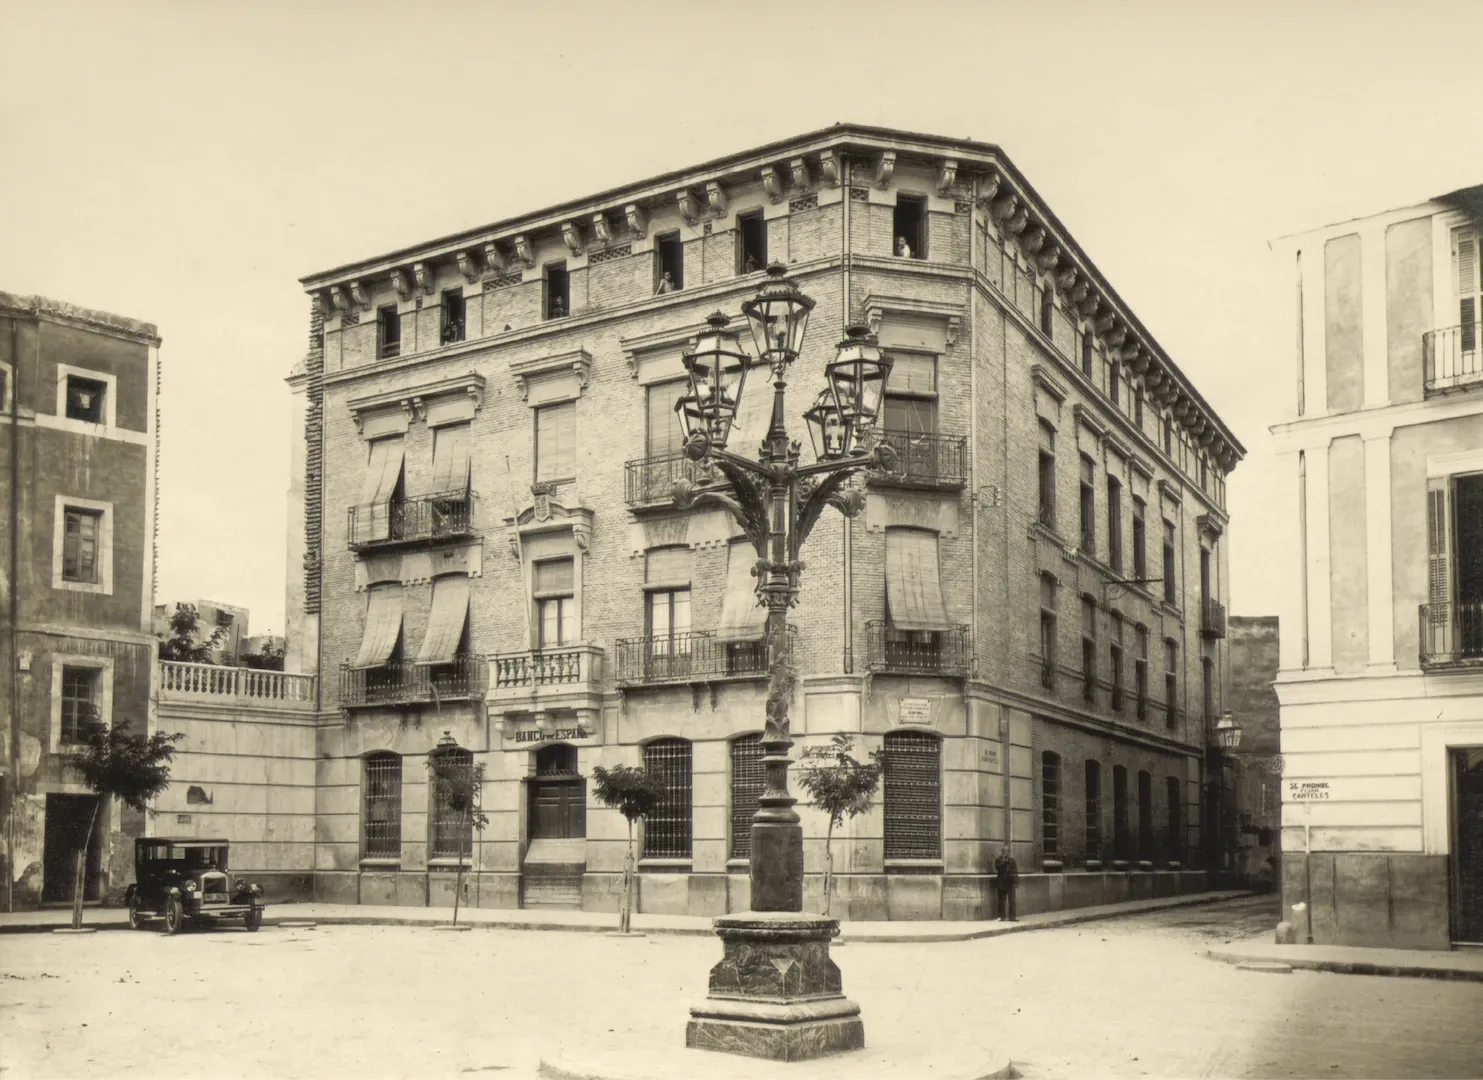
column 1451, row 621
column 649, row 480
column 925, row 457
column 1451, row 356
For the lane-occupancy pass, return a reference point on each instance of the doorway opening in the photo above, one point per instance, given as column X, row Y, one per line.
column 556, row 857
column 1467, row 838
column 65, row 830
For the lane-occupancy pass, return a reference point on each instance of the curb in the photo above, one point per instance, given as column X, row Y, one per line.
column 1351, row 967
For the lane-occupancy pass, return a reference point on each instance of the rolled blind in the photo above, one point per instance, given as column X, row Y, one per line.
column 554, row 577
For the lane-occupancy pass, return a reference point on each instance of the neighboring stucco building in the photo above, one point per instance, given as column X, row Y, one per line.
column 212, row 618
column 1027, row 618
column 78, row 397
column 1382, row 699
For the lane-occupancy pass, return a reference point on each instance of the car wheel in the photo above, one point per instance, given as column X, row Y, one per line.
column 253, row 919
column 174, row 915
column 136, row 918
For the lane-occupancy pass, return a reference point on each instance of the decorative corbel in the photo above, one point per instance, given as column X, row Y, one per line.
column 1003, row 208
column 884, row 168
column 798, row 167
column 1033, row 239
column 953, row 324
column 829, row 167
column 1137, row 360
column 1077, row 294
column 715, row 197
column 424, row 275
column 1104, row 322
column 320, row 303
column 514, row 539
column 772, row 183
column 400, row 283
column 524, row 251
column 1016, row 223
column 412, row 406
column 947, row 175
column 467, row 267
column 600, row 231
column 339, row 299
column 1067, row 278
column 1049, row 258
column 581, row 533
column 571, row 233
column 494, row 262
column 476, row 393
column 363, row 298
column 638, row 222
column 1091, row 302
column 1116, row 336
column 689, row 208
column 988, row 187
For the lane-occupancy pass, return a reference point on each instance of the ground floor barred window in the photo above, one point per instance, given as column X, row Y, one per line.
column 667, row 829
column 912, row 799
column 746, row 785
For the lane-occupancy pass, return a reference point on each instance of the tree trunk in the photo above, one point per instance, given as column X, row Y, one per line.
column 828, row 865
column 625, row 917
column 80, row 880
column 458, row 878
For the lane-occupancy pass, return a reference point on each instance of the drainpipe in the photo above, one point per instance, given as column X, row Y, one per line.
column 12, row 657
column 848, row 532
column 1006, row 736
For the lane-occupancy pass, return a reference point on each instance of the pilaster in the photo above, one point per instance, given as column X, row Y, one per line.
column 1315, row 334
column 1319, row 562
column 1372, row 319
column 1377, row 546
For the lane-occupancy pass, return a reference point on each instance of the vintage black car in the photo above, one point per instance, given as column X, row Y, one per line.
column 180, row 880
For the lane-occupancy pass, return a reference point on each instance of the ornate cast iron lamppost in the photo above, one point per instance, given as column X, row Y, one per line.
column 776, row 993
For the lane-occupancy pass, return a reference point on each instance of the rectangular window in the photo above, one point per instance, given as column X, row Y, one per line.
column 556, row 606
column 910, row 225
column 85, row 399
column 1166, row 429
column 1047, row 475
column 1047, row 631
column 4, row 389
column 1050, row 804
column 669, row 263
column 225, row 619
column 451, row 830
column 1171, row 683
column 1115, row 523
column 1469, row 284
column 1047, row 312
column 1138, row 407
column 1176, row 817
column 1145, row 816
column 1171, row 595
column 1115, row 658
column 1114, row 381
column 388, row 332
column 1204, row 575
column 751, row 249
column 668, row 622
column 1087, row 354
column 1140, row 673
column 1088, row 506
column 381, row 807
column 79, row 702
column 912, row 795
column 746, row 785
column 667, row 828
column 1089, row 649
column 1207, row 689
column 1120, row 837
column 1140, row 539
column 556, row 301
column 556, row 441
column 81, row 529
column 453, row 316
column 1093, row 813
column 665, row 437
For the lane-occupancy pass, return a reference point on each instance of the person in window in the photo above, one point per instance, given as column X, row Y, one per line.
column 1006, row 880
column 903, row 249
column 751, row 266
column 558, row 309
column 666, row 285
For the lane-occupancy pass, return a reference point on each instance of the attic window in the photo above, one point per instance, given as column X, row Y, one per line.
column 669, row 263
column 85, row 399
column 751, row 253
column 558, row 292
column 909, row 226
column 453, row 316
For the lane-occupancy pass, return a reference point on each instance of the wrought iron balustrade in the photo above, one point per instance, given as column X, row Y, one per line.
column 1452, row 357
column 918, row 652
column 1212, row 618
column 695, row 656
column 401, row 683
column 928, row 460
column 422, row 518
column 1451, row 633
column 650, row 481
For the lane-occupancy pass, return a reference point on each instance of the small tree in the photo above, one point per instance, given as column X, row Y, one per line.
column 269, row 659
column 181, row 643
column 841, row 787
column 458, row 783
column 117, row 764
column 632, row 792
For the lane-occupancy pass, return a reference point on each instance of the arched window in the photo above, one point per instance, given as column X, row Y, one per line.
column 912, row 799
column 1175, row 799
column 1145, row 816
column 1093, row 811
column 556, row 760
column 381, row 806
column 449, row 815
column 667, row 828
column 1050, row 804
column 1120, row 838
column 746, row 785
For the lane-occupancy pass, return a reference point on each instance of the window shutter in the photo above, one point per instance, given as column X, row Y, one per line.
column 667, row 566
column 1465, row 261
column 554, row 577
column 451, row 458
column 1439, row 552
column 912, row 373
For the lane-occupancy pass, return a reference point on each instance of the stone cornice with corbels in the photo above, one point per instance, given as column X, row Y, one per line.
column 877, row 307
column 413, row 400
column 578, row 361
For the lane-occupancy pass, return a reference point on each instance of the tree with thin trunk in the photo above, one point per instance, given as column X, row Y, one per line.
column 841, row 787
column 182, row 643
column 115, row 763
column 458, row 784
column 634, row 793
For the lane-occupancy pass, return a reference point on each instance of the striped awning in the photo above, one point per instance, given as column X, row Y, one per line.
column 913, row 581
column 383, row 625
column 383, row 470
column 445, row 623
column 742, row 618
column 451, row 459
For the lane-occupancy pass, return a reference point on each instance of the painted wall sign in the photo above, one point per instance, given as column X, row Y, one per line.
column 990, row 755
column 915, row 710
column 536, row 735
column 1306, row 791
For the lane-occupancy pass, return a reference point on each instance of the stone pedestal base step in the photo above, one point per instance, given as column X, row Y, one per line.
column 551, row 885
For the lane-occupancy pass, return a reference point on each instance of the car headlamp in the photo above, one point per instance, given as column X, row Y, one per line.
column 190, row 886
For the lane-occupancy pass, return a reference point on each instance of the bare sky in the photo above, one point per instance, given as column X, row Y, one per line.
column 187, row 163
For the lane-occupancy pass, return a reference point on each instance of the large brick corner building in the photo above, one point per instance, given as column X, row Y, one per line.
column 1027, row 617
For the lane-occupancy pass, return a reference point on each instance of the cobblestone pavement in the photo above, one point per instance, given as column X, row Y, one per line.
column 1123, row 998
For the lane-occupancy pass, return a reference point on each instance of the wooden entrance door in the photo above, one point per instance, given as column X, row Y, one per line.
column 557, row 810
column 1467, row 833
column 65, row 831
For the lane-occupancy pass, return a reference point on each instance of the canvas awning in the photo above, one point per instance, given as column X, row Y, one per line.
column 742, row 618
column 750, row 425
column 383, row 625
column 913, row 581
column 451, row 459
column 450, row 611
column 383, row 470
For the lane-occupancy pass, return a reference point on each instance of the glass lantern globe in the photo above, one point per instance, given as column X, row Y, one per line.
column 778, row 316
column 1228, row 732
column 717, row 369
column 857, row 382
column 827, row 429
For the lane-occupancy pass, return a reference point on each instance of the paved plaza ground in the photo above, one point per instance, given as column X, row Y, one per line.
column 1129, row 997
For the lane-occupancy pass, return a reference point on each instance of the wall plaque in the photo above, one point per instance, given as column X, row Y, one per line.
column 915, row 711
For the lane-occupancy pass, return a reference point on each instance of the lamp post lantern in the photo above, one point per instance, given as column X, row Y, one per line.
column 775, row 992
column 1227, row 732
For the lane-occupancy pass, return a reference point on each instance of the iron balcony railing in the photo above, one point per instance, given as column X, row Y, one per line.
column 1074, row 686
column 1452, row 357
column 1451, row 633
column 650, row 481
column 926, row 460
column 694, row 656
column 400, row 683
column 918, row 652
column 423, row 518
column 1212, row 618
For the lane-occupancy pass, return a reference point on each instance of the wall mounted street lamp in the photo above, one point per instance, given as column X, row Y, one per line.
column 795, row 1009
column 1227, row 732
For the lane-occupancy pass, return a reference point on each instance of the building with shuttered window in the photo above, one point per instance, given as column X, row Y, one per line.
column 1382, row 632
column 482, row 507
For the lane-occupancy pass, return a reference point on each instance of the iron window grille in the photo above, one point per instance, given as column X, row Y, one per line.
column 452, row 831
column 667, row 828
column 912, row 797
column 381, row 807
column 746, row 784
column 1050, row 803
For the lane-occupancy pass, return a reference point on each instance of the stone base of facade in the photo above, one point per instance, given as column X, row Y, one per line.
column 1395, row 900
